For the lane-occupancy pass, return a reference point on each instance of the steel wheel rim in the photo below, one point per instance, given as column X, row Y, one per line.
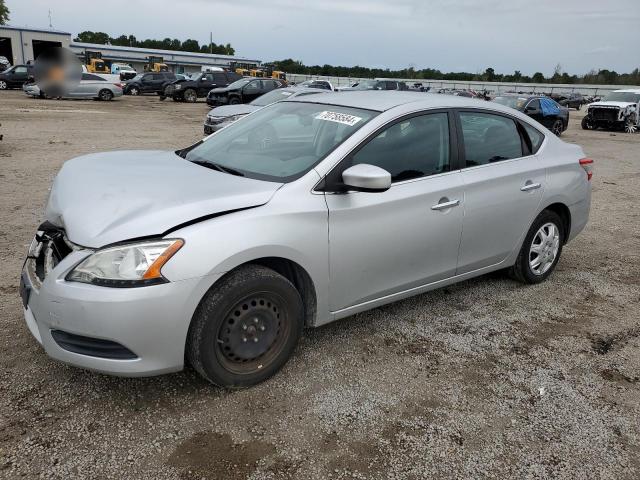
column 253, row 333
column 544, row 248
column 190, row 96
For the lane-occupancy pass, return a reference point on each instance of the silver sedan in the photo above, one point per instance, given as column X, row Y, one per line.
column 305, row 212
column 91, row 86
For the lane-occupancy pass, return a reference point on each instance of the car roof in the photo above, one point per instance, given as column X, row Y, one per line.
column 386, row 100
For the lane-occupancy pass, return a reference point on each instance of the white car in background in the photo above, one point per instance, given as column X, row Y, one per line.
column 90, row 86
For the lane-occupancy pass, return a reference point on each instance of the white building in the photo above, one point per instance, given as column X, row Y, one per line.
column 21, row 45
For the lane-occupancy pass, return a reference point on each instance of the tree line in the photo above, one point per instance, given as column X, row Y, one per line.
column 602, row 77
column 188, row 45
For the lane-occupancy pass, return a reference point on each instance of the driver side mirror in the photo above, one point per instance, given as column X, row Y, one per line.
column 366, row 178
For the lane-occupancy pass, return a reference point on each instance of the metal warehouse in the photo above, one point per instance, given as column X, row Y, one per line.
column 179, row 62
column 21, row 45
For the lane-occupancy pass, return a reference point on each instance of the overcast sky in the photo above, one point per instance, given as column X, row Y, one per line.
column 451, row 35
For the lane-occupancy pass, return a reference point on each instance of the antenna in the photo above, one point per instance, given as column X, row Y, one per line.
column 50, row 26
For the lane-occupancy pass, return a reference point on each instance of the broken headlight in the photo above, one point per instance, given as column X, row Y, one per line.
column 132, row 265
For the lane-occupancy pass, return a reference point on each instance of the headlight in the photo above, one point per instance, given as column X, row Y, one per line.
column 133, row 265
column 233, row 118
column 177, row 86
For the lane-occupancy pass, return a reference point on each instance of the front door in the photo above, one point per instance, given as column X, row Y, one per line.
column 503, row 188
column 388, row 242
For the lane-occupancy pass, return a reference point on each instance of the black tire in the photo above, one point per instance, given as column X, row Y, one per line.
column 522, row 270
column 587, row 123
column 3, row 85
column 162, row 98
column 190, row 95
column 245, row 328
column 558, row 127
column 234, row 101
column 105, row 95
column 135, row 91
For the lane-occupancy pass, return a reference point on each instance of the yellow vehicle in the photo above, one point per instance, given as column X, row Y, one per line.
column 243, row 71
column 97, row 65
column 256, row 73
column 156, row 67
column 278, row 75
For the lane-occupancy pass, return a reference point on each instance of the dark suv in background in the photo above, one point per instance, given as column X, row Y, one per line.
column 190, row 89
column 243, row 91
column 150, row 82
column 542, row 109
column 15, row 76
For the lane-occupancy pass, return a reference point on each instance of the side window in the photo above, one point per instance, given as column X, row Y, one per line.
column 208, row 77
column 219, row 78
column 412, row 148
column 489, row 138
column 391, row 85
column 95, row 78
column 20, row 70
column 533, row 105
column 157, row 76
column 252, row 87
column 535, row 137
column 85, row 76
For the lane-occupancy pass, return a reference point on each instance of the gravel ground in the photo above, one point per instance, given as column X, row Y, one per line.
column 485, row 379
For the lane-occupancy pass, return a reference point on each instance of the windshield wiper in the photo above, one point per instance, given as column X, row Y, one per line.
column 220, row 168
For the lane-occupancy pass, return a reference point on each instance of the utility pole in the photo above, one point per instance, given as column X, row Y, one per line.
column 50, row 25
column 211, row 42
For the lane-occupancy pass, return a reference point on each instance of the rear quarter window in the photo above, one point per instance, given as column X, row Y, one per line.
column 535, row 137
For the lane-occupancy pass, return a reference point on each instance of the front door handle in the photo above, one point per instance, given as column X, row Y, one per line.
column 444, row 205
column 530, row 186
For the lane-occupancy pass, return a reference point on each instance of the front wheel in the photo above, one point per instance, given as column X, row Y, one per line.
column 540, row 250
column 134, row 91
column 234, row 101
column 630, row 124
column 588, row 123
column 246, row 328
column 3, row 85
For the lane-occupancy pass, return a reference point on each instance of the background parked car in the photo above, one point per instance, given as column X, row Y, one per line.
column 322, row 84
column 190, row 89
column 90, row 86
column 244, row 90
column 15, row 76
column 619, row 109
column 150, row 82
column 540, row 108
column 221, row 117
column 4, row 63
column 377, row 85
column 571, row 100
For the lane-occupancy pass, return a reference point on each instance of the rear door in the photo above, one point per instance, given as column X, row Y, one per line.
column 504, row 184
column 19, row 76
column 388, row 242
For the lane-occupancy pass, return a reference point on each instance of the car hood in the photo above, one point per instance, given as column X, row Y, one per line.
column 231, row 110
column 110, row 197
column 612, row 104
column 223, row 90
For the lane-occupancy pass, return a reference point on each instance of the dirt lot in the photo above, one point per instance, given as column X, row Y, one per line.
column 486, row 379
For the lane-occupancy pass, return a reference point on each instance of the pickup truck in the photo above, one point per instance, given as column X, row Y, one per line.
column 190, row 89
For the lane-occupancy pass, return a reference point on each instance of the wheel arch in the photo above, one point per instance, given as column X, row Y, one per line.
column 564, row 213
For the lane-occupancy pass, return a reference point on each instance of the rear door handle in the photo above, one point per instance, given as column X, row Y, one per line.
column 445, row 205
column 530, row 186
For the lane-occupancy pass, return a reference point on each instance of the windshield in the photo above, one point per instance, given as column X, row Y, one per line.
column 280, row 142
column 629, row 97
column 366, row 85
column 137, row 78
column 271, row 97
column 514, row 102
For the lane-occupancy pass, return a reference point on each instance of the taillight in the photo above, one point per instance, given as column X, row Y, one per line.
column 119, row 85
column 586, row 164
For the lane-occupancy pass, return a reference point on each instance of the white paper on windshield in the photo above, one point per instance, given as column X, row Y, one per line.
column 337, row 117
column 286, row 94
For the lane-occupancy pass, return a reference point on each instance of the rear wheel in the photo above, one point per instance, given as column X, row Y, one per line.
column 105, row 95
column 134, row 91
column 630, row 124
column 557, row 127
column 190, row 95
column 245, row 328
column 540, row 250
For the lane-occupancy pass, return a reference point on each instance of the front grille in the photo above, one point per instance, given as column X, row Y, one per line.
column 605, row 114
column 48, row 248
column 93, row 347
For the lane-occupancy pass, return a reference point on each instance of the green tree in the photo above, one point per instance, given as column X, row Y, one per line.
column 100, row 38
column 538, row 77
column 4, row 13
